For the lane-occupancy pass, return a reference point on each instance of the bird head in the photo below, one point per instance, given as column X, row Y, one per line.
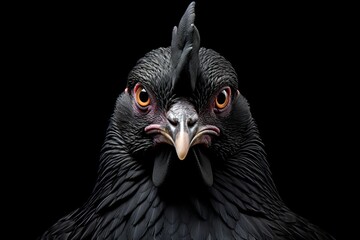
column 182, row 104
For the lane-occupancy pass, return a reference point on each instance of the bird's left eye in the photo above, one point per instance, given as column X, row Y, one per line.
column 223, row 99
column 142, row 97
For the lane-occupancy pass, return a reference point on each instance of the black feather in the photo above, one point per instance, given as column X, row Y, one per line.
column 200, row 208
column 153, row 215
column 199, row 229
column 204, row 165
column 185, row 45
column 161, row 166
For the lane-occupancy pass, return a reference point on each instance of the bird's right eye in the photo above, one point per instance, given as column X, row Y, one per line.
column 141, row 96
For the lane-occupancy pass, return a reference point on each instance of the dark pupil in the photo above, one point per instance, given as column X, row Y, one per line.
column 221, row 98
column 143, row 96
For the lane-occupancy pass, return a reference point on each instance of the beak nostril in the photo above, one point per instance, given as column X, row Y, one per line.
column 191, row 122
column 173, row 121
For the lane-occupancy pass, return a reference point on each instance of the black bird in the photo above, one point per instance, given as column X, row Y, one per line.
column 182, row 157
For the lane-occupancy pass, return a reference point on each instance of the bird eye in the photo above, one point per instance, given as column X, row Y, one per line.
column 222, row 99
column 141, row 96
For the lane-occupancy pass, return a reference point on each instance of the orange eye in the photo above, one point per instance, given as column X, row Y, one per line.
column 142, row 97
column 223, row 99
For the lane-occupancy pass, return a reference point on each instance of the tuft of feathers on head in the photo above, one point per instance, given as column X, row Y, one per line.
column 185, row 45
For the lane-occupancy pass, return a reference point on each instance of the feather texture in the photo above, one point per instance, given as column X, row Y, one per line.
column 185, row 46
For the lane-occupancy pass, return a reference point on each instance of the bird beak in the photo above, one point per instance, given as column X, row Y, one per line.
column 182, row 144
column 182, row 125
column 182, row 129
column 182, row 134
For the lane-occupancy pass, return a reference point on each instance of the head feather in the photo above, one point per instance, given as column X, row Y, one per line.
column 185, row 45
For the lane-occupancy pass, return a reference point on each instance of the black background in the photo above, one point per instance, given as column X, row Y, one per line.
column 72, row 61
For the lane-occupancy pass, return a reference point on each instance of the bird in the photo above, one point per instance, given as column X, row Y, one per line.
column 182, row 157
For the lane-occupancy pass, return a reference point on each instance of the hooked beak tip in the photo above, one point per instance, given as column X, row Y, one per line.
column 182, row 144
column 182, row 157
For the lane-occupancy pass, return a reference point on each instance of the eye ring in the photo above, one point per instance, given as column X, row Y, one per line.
column 142, row 96
column 222, row 100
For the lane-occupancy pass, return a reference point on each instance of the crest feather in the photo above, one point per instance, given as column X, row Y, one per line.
column 185, row 45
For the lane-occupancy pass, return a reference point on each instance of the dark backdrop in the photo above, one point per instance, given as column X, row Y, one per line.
column 75, row 59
